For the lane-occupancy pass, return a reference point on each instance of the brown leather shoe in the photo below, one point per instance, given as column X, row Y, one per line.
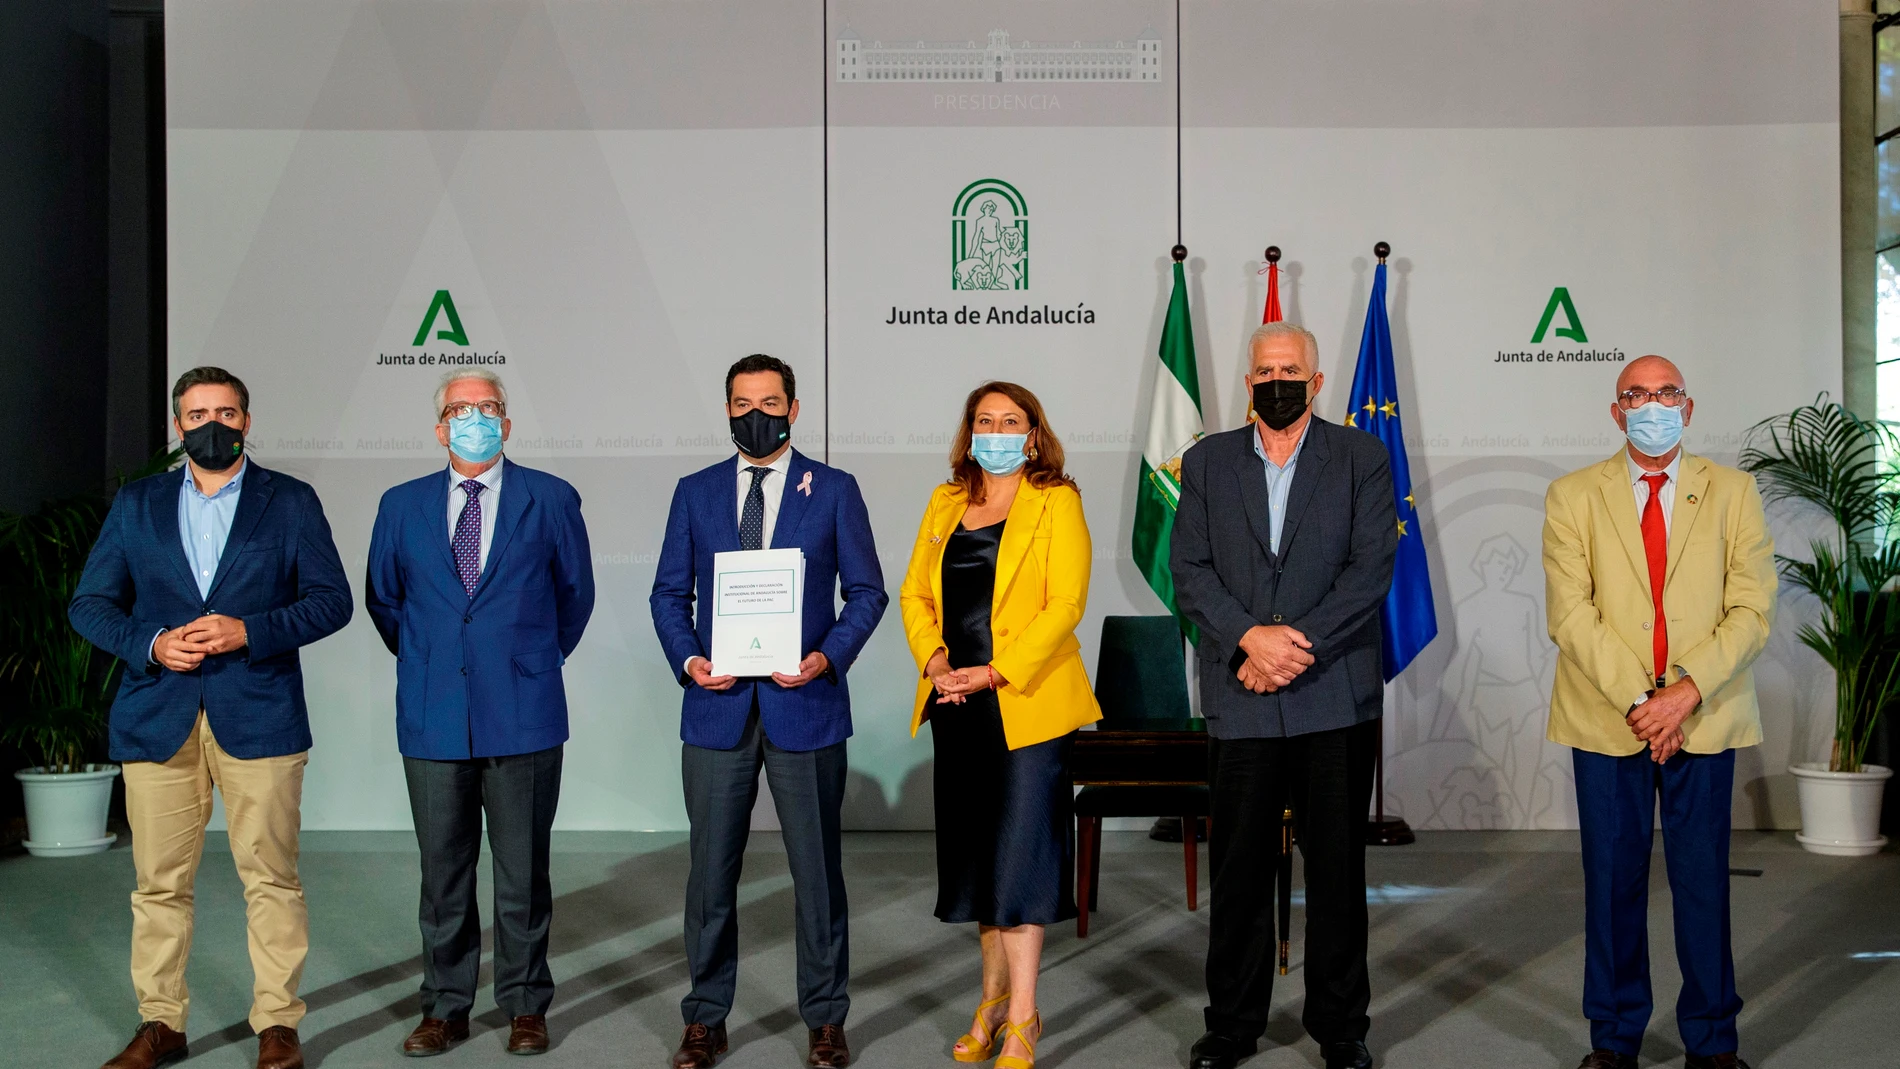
column 1716, row 1061
column 434, row 1036
column 153, row 1045
column 700, row 1046
column 277, row 1048
column 828, row 1048
column 1607, row 1059
column 528, row 1034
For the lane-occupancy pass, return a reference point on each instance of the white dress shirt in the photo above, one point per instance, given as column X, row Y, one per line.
column 772, row 486
column 1668, row 490
column 490, row 502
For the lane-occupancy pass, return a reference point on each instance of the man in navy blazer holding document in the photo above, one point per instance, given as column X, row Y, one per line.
column 480, row 582
column 769, row 497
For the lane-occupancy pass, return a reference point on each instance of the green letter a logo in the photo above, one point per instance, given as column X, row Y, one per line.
column 446, row 305
column 1559, row 298
column 754, row 646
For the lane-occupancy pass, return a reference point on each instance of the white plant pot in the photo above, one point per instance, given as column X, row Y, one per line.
column 1840, row 811
column 66, row 811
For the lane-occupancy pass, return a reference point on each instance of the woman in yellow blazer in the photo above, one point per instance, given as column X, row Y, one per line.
column 997, row 582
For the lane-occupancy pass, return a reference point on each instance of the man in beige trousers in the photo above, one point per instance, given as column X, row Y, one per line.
column 205, row 582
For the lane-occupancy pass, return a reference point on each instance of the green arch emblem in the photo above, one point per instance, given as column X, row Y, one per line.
column 989, row 237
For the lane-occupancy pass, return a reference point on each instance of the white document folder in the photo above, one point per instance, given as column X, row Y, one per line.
column 758, row 612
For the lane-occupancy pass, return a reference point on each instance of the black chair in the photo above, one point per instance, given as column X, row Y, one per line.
column 1140, row 679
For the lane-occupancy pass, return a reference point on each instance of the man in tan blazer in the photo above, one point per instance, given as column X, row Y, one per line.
column 1653, row 695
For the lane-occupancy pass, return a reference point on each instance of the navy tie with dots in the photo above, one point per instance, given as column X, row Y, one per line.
column 467, row 542
column 752, row 518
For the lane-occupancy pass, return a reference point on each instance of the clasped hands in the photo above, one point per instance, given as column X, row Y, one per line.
column 955, row 685
column 814, row 665
column 1658, row 721
column 184, row 648
column 1276, row 655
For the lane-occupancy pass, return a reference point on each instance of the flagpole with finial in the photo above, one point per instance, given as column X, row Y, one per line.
column 1271, row 314
column 1382, row 830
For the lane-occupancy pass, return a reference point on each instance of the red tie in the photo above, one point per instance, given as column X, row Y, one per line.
column 1656, row 548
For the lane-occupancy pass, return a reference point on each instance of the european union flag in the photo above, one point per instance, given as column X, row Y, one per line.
column 1407, row 621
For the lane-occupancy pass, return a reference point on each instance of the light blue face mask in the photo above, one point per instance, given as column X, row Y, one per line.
column 475, row 437
column 999, row 454
column 1654, row 428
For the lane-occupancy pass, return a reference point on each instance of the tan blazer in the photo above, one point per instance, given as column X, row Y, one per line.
column 1042, row 585
column 1718, row 593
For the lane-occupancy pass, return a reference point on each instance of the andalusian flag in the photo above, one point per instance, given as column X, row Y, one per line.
column 1174, row 423
column 1407, row 620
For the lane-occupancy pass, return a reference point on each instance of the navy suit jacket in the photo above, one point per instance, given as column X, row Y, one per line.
column 480, row 676
column 831, row 525
column 279, row 573
column 1337, row 544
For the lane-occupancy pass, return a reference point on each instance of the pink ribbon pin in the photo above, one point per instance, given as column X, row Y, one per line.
column 804, row 485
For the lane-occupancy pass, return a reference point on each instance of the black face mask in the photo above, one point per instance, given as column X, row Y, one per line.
column 1279, row 402
column 213, row 446
column 759, row 433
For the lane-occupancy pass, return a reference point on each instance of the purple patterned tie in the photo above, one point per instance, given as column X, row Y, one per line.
column 467, row 542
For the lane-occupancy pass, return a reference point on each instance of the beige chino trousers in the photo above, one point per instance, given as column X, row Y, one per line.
column 168, row 804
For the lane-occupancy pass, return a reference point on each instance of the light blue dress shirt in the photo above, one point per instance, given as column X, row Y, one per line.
column 205, row 522
column 490, row 503
column 1279, row 482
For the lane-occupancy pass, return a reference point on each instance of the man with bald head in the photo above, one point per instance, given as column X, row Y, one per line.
column 1282, row 554
column 1660, row 589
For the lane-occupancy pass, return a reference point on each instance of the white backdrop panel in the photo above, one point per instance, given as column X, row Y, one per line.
column 624, row 197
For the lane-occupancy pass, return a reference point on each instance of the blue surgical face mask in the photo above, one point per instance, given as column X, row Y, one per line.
column 475, row 437
column 1654, row 428
column 999, row 454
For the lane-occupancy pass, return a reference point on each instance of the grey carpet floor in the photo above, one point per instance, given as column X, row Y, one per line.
column 1476, row 958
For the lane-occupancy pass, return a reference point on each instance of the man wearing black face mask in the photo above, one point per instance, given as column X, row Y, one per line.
column 206, row 582
column 1282, row 554
column 794, row 726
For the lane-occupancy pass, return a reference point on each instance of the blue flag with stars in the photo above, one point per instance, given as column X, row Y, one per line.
column 1407, row 621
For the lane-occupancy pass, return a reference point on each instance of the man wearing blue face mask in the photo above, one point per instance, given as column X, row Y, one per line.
column 1660, row 589
column 480, row 582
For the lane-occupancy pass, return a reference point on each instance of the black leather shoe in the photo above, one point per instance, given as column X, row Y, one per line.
column 1716, row 1061
column 1348, row 1054
column 1216, row 1051
column 1607, row 1059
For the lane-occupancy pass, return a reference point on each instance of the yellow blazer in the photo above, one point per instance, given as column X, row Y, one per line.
column 1042, row 586
column 1718, row 593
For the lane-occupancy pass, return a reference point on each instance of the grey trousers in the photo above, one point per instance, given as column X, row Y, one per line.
column 808, row 788
column 448, row 798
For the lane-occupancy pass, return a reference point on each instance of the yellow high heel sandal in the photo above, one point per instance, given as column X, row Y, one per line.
column 974, row 1052
column 1010, row 1061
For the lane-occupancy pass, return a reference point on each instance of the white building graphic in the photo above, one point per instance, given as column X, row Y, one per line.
column 1000, row 60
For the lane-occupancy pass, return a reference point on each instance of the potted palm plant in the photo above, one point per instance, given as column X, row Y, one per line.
column 1824, row 458
column 60, row 684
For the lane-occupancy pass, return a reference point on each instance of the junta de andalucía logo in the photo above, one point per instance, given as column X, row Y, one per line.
column 989, row 237
column 443, row 320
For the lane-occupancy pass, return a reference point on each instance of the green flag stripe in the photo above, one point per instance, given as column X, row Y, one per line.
column 1177, row 340
column 1154, row 528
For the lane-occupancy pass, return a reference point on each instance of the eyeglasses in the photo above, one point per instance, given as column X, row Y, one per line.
column 463, row 410
column 1670, row 397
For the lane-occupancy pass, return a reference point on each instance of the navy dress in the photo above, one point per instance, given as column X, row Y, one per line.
column 1005, row 818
